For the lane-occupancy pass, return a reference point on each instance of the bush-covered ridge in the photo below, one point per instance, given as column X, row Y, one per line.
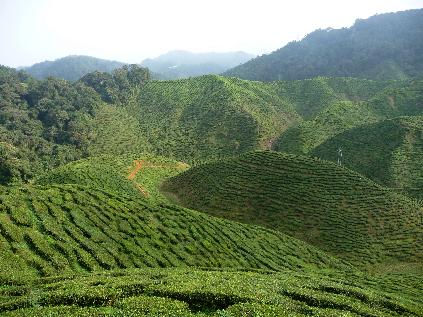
column 384, row 100
column 71, row 67
column 317, row 201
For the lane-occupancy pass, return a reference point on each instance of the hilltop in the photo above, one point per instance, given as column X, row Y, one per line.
column 384, row 46
column 388, row 152
column 71, row 67
column 317, row 201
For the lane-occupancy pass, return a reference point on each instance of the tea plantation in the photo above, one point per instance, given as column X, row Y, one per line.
column 389, row 152
column 317, row 201
column 195, row 292
column 128, row 175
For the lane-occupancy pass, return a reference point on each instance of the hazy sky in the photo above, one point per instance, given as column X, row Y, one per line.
column 128, row 30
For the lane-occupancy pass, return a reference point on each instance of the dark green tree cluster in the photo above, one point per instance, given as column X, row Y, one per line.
column 42, row 123
column 120, row 85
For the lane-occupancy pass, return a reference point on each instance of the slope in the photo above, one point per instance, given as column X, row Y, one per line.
column 71, row 67
column 388, row 100
column 384, row 46
column 209, row 117
column 60, row 229
column 317, row 201
column 48, row 123
column 388, row 152
column 125, row 175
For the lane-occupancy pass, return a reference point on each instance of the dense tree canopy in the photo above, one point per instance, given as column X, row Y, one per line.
column 386, row 46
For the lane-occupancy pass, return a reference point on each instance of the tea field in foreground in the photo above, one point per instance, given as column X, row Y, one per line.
column 205, row 292
column 62, row 229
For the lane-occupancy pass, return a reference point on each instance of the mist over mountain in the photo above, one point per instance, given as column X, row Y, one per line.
column 183, row 64
column 71, row 67
column 385, row 46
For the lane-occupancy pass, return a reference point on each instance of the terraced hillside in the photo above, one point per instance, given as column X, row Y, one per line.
column 332, row 120
column 193, row 292
column 335, row 115
column 316, row 201
column 127, row 175
column 310, row 96
column 211, row 117
column 69, row 228
column 389, row 152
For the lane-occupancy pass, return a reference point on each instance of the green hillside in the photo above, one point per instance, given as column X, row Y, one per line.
column 384, row 46
column 389, row 152
column 129, row 175
column 47, row 123
column 317, row 201
column 63, row 229
column 193, row 292
column 384, row 100
column 210, row 117
column 332, row 120
column 310, row 96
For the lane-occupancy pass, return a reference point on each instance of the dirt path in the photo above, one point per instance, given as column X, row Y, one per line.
column 140, row 164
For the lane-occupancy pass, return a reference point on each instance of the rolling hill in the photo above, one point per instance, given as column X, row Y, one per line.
column 389, row 152
column 385, row 46
column 317, row 201
column 70, row 228
column 198, row 119
column 71, row 67
column 333, row 115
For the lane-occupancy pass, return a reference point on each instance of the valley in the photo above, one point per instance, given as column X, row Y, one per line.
column 284, row 186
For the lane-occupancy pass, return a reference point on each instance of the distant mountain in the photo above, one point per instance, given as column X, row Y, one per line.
column 385, row 46
column 183, row 64
column 71, row 67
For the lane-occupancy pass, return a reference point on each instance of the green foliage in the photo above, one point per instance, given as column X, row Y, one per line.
column 388, row 100
column 210, row 117
column 193, row 292
column 388, row 152
column 112, row 173
column 73, row 228
column 385, row 46
column 120, row 86
column 317, row 201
